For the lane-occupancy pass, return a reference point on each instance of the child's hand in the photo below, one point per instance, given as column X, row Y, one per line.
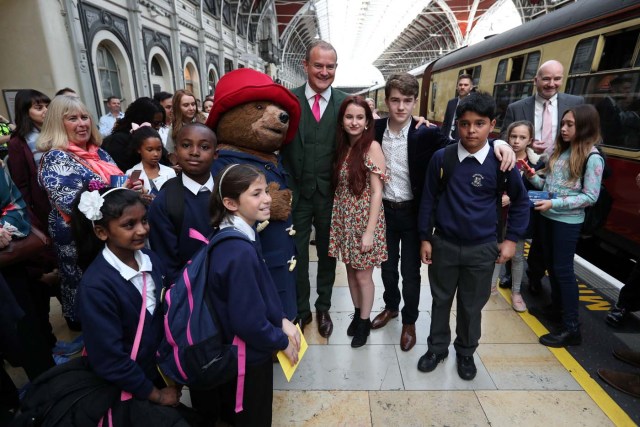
column 543, row 205
column 5, row 238
column 506, row 251
column 168, row 396
column 528, row 170
column 505, row 200
column 425, row 252
column 292, row 353
column 292, row 332
column 367, row 242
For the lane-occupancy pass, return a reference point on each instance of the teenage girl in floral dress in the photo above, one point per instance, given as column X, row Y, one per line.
column 357, row 234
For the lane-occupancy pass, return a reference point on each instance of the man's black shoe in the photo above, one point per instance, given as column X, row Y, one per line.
column 616, row 316
column 429, row 361
column 562, row 339
column 506, row 282
column 466, row 367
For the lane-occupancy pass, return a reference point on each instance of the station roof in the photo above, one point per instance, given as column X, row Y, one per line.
column 430, row 28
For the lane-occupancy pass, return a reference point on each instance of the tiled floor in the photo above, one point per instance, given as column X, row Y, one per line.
column 519, row 381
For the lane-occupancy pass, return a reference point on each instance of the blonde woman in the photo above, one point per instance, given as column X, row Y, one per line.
column 72, row 158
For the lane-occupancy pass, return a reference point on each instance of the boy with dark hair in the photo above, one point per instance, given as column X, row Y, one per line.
column 457, row 226
column 183, row 201
column 407, row 150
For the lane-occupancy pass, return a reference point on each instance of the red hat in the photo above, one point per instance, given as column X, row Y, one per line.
column 246, row 85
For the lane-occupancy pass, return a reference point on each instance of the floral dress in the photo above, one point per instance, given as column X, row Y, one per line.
column 63, row 177
column 349, row 220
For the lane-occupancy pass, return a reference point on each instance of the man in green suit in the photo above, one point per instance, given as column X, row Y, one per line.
column 309, row 160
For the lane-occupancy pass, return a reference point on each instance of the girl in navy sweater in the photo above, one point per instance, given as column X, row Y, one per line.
column 121, row 276
column 243, row 293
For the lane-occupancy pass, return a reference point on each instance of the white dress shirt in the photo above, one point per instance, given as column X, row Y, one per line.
column 196, row 188
column 135, row 276
column 396, row 155
column 539, row 110
column 479, row 155
column 325, row 96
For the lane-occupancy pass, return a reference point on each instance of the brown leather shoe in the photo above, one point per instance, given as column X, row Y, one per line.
column 628, row 356
column 408, row 337
column 626, row 383
column 325, row 325
column 383, row 318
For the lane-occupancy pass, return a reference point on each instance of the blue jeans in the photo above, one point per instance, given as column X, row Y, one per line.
column 559, row 241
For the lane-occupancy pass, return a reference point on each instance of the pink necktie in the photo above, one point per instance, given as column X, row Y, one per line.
column 547, row 134
column 316, row 107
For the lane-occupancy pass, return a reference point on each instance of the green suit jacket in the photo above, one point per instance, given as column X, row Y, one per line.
column 296, row 154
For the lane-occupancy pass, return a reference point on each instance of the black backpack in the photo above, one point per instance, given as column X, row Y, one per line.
column 595, row 216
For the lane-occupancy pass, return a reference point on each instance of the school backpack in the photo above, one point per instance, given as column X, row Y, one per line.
column 449, row 162
column 192, row 351
column 595, row 216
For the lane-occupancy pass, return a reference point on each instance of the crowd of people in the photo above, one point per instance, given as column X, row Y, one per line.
column 380, row 192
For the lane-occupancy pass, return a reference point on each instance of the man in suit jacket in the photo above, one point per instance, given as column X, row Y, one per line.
column 463, row 87
column 309, row 160
column 548, row 80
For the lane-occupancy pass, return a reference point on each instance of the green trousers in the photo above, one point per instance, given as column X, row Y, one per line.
column 315, row 210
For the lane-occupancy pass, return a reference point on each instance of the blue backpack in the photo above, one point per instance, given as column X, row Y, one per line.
column 192, row 351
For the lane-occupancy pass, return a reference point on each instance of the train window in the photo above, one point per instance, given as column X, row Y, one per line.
column 530, row 70
column 583, row 56
column 474, row 72
column 506, row 94
column 618, row 50
column 501, row 74
column 434, row 95
column 616, row 96
column 516, row 68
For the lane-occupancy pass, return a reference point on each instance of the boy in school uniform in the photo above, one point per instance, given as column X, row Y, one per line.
column 457, row 227
column 183, row 202
column 407, row 151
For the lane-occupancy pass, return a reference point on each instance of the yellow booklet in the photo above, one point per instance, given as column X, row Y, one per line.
column 284, row 362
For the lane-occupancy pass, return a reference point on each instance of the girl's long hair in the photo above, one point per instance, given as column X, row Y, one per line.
column 25, row 99
column 230, row 184
column 53, row 135
column 87, row 243
column 587, row 124
column 357, row 172
column 178, row 119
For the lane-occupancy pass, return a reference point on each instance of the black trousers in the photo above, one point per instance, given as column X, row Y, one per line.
column 403, row 245
column 629, row 297
column 257, row 398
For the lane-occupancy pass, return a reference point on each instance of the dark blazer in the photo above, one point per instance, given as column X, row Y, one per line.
column 525, row 109
column 448, row 118
column 293, row 153
column 422, row 143
column 24, row 172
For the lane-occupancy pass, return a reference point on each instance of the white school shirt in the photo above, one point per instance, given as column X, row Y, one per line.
column 196, row 188
column 165, row 174
column 133, row 276
column 240, row 224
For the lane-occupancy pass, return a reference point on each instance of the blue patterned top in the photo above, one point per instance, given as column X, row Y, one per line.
column 571, row 196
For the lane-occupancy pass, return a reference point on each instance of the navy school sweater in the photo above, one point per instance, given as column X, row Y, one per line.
column 466, row 212
column 176, row 249
column 109, row 308
column 246, row 299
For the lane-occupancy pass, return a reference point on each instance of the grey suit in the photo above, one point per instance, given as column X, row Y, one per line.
column 525, row 109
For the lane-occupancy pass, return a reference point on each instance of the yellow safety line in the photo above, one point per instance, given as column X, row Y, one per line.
column 615, row 413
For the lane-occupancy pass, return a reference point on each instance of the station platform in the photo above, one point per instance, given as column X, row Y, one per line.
column 519, row 381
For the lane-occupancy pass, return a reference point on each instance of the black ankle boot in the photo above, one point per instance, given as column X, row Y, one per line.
column 616, row 316
column 361, row 333
column 354, row 323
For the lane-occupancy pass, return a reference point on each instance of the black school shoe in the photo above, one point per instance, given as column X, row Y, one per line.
column 562, row 338
column 616, row 316
column 429, row 361
column 506, row 282
column 466, row 367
